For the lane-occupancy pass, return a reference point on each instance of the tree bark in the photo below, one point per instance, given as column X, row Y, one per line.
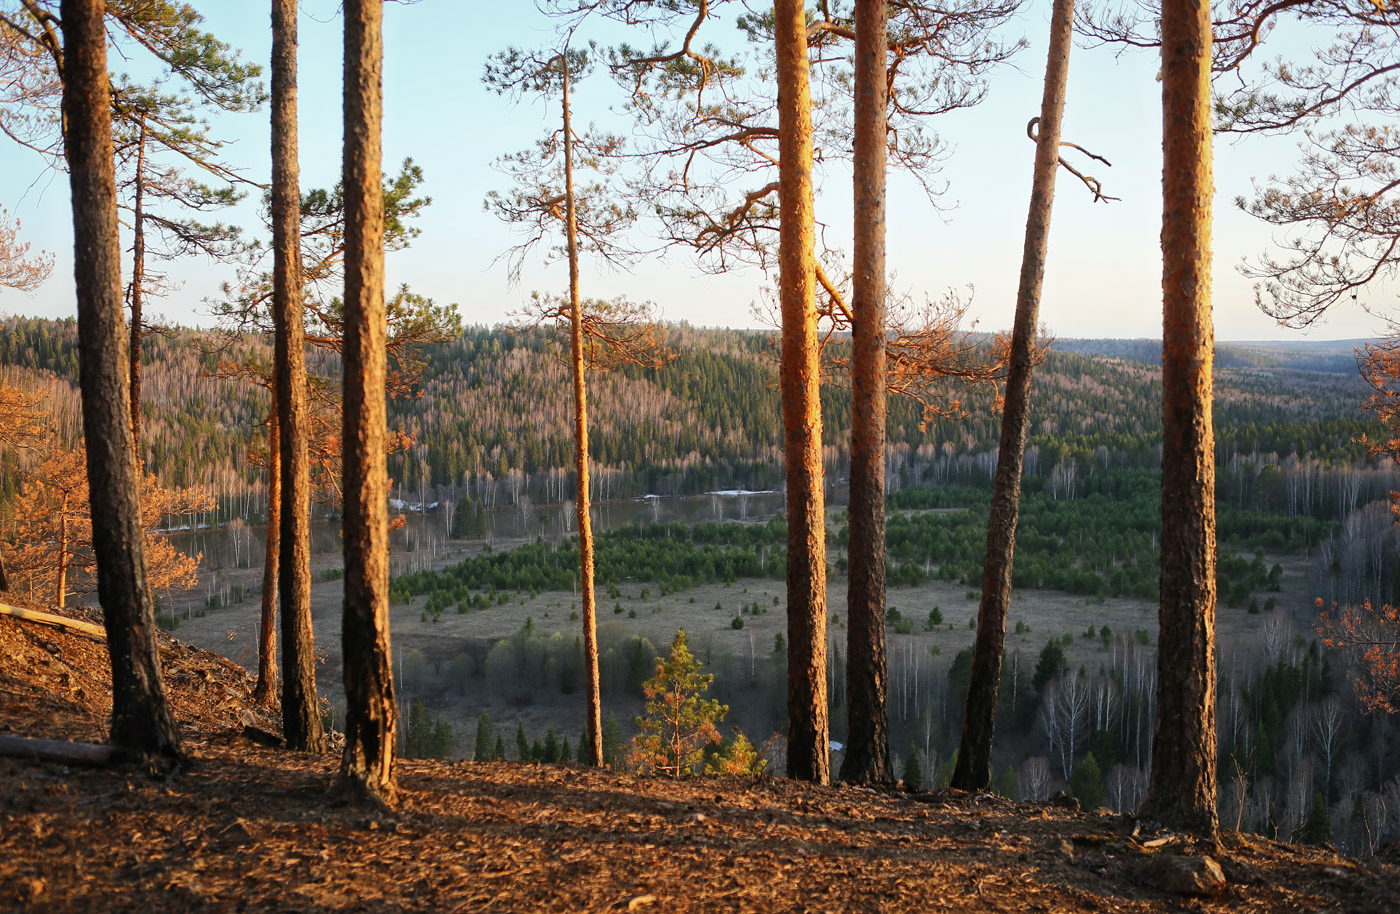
column 301, row 720
column 809, row 756
column 585, row 520
column 1182, row 789
column 266, row 688
column 370, row 713
column 141, row 719
column 138, row 279
column 867, row 758
column 974, row 768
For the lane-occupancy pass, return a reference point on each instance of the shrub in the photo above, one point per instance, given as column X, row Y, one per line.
column 736, row 756
column 737, row 623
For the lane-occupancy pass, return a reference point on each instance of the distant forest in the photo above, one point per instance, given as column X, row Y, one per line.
column 490, row 420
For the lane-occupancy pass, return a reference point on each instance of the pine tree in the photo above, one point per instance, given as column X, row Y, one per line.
column 867, row 758
column 809, row 755
column 367, row 765
column 141, row 720
column 499, row 754
column 974, row 771
column 1182, row 787
column 678, row 723
column 300, row 723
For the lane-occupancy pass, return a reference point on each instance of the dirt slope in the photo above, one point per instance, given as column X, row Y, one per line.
column 248, row 828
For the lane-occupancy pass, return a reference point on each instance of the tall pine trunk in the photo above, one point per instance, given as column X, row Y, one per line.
column 974, row 768
column 370, row 713
column 1182, row 788
column 585, row 520
column 141, row 719
column 267, row 621
column 809, row 756
column 867, row 735
column 138, row 280
column 301, row 720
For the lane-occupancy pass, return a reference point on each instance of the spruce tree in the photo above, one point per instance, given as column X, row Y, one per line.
column 612, row 742
column 1051, row 665
column 1086, row 783
column 1316, row 827
column 913, row 771
column 483, row 751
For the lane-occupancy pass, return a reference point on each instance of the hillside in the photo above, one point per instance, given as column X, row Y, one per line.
column 245, row 827
column 487, row 418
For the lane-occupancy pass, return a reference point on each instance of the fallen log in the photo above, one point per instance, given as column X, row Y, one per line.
column 33, row 615
column 92, row 755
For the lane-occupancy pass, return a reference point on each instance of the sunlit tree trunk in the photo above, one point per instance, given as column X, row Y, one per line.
column 867, row 737
column 974, row 768
column 370, row 713
column 141, row 719
column 585, row 521
column 301, row 720
column 1183, row 779
column 60, row 594
column 808, row 731
column 138, row 279
column 267, row 622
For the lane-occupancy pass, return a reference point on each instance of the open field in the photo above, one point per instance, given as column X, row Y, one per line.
column 231, row 631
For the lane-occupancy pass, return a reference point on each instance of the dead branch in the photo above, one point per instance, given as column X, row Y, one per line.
column 1094, row 185
column 91, row 755
column 43, row 618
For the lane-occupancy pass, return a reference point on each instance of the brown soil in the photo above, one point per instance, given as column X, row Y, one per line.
column 242, row 827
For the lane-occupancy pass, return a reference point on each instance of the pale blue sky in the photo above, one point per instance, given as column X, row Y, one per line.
column 1103, row 274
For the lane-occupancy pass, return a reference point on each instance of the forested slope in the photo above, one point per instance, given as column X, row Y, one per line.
column 490, row 409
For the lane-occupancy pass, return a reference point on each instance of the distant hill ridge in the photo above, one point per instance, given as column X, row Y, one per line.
column 1334, row 356
column 491, row 403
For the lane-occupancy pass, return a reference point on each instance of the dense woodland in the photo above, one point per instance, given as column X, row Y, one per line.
column 706, row 420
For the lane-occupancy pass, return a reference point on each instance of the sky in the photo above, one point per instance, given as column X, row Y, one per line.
column 1103, row 273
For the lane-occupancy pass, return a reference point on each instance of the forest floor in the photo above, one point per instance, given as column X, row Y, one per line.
column 243, row 827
